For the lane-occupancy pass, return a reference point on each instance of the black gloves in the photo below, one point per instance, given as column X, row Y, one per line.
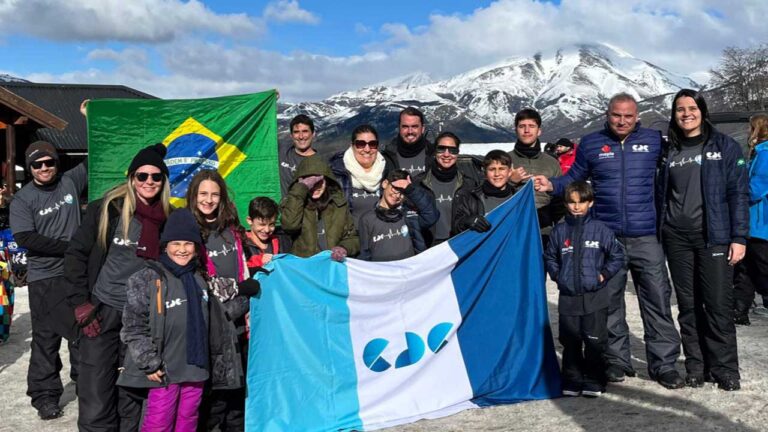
column 249, row 287
column 480, row 224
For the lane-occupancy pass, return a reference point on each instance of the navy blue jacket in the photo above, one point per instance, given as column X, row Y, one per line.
column 580, row 249
column 725, row 190
column 622, row 176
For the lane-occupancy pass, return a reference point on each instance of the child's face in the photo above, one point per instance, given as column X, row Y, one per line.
column 497, row 174
column 262, row 228
column 576, row 206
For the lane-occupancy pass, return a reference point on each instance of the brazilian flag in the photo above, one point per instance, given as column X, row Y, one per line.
column 236, row 135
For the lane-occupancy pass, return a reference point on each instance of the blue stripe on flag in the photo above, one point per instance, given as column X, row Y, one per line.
column 505, row 336
column 301, row 358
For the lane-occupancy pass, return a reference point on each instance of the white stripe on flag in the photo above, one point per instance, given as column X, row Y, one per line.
column 417, row 296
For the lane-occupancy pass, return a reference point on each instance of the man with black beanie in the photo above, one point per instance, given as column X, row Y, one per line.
column 44, row 214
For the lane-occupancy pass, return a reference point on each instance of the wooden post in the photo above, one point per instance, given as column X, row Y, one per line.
column 10, row 156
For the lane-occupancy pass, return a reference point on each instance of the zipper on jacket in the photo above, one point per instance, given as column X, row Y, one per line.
column 623, row 193
column 577, row 255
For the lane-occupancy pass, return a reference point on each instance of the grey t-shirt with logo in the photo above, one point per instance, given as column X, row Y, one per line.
column 54, row 214
column 491, row 203
column 414, row 165
column 289, row 161
column 383, row 240
column 361, row 201
column 222, row 251
column 444, row 199
column 685, row 208
column 120, row 264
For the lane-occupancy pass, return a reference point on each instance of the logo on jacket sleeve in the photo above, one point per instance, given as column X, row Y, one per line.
column 714, row 156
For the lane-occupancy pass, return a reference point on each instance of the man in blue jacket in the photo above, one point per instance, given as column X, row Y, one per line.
column 621, row 161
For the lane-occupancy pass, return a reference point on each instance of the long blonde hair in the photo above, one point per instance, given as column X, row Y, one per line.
column 128, row 195
column 758, row 129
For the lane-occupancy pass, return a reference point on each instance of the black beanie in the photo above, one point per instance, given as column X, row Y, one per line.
column 565, row 142
column 150, row 155
column 38, row 150
column 181, row 225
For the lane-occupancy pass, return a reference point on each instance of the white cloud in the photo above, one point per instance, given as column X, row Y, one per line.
column 289, row 11
column 685, row 37
column 129, row 21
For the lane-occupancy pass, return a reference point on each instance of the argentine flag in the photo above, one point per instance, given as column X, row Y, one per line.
column 362, row 346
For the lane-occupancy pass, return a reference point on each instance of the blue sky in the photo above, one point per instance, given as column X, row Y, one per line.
column 311, row 49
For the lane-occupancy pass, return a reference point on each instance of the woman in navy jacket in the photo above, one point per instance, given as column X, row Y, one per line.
column 704, row 219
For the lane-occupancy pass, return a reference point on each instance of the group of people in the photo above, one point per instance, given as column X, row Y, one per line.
column 153, row 301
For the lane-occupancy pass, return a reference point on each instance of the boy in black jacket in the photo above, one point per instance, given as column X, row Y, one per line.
column 388, row 232
column 582, row 254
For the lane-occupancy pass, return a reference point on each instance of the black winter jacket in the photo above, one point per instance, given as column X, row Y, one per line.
column 580, row 249
column 725, row 190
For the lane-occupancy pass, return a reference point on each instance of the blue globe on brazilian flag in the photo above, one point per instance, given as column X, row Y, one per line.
column 236, row 135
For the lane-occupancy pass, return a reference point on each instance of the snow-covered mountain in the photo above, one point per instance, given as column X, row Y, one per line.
column 569, row 87
column 11, row 78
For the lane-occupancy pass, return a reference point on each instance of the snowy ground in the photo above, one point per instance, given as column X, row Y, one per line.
column 636, row 405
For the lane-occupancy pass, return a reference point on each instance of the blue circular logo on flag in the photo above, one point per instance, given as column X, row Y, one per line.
column 187, row 155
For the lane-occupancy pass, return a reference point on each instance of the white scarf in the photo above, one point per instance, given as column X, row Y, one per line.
column 369, row 181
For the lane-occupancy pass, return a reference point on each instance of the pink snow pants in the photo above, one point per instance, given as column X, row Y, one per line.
column 173, row 408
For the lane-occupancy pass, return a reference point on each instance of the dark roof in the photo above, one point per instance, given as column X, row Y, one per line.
column 63, row 100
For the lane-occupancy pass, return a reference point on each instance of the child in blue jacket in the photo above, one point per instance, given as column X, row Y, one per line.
column 581, row 256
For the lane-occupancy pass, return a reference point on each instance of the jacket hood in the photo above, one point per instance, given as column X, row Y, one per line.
column 314, row 165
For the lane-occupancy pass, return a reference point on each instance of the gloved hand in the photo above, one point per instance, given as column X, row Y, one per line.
column 85, row 316
column 338, row 253
column 311, row 181
column 480, row 224
column 249, row 287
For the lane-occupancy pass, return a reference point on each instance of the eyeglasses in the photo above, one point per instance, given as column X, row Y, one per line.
column 142, row 176
column 47, row 163
column 360, row 144
column 451, row 150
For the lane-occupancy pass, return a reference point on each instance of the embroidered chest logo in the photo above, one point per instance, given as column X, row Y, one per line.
column 224, row 251
column 640, row 148
column 290, row 167
column 567, row 247
column 714, row 156
column 442, row 198
column 170, row 304
column 389, row 235
column 685, row 161
column 592, row 244
column 117, row 241
column 67, row 200
column 606, row 153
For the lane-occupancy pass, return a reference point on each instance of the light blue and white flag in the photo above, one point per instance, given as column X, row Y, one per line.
column 362, row 346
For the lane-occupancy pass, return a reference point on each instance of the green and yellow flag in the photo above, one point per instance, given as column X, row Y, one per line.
column 236, row 135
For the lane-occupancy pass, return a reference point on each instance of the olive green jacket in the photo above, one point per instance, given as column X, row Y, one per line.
column 300, row 222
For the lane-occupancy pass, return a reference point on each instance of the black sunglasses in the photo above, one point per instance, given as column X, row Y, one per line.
column 360, row 144
column 39, row 164
column 451, row 150
column 142, row 176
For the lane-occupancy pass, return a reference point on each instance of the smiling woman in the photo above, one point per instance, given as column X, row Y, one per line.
column 118, row 234
column 703, row 192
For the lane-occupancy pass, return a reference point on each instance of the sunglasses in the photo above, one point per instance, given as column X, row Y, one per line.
column 142, row 177
column 47, row 163
column 360, row 144
column 451, row 150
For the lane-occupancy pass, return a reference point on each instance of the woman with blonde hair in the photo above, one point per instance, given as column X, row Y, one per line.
column 119, row 233
column 752, row 272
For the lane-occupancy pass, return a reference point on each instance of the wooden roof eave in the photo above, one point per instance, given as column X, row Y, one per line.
column 30, row 110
